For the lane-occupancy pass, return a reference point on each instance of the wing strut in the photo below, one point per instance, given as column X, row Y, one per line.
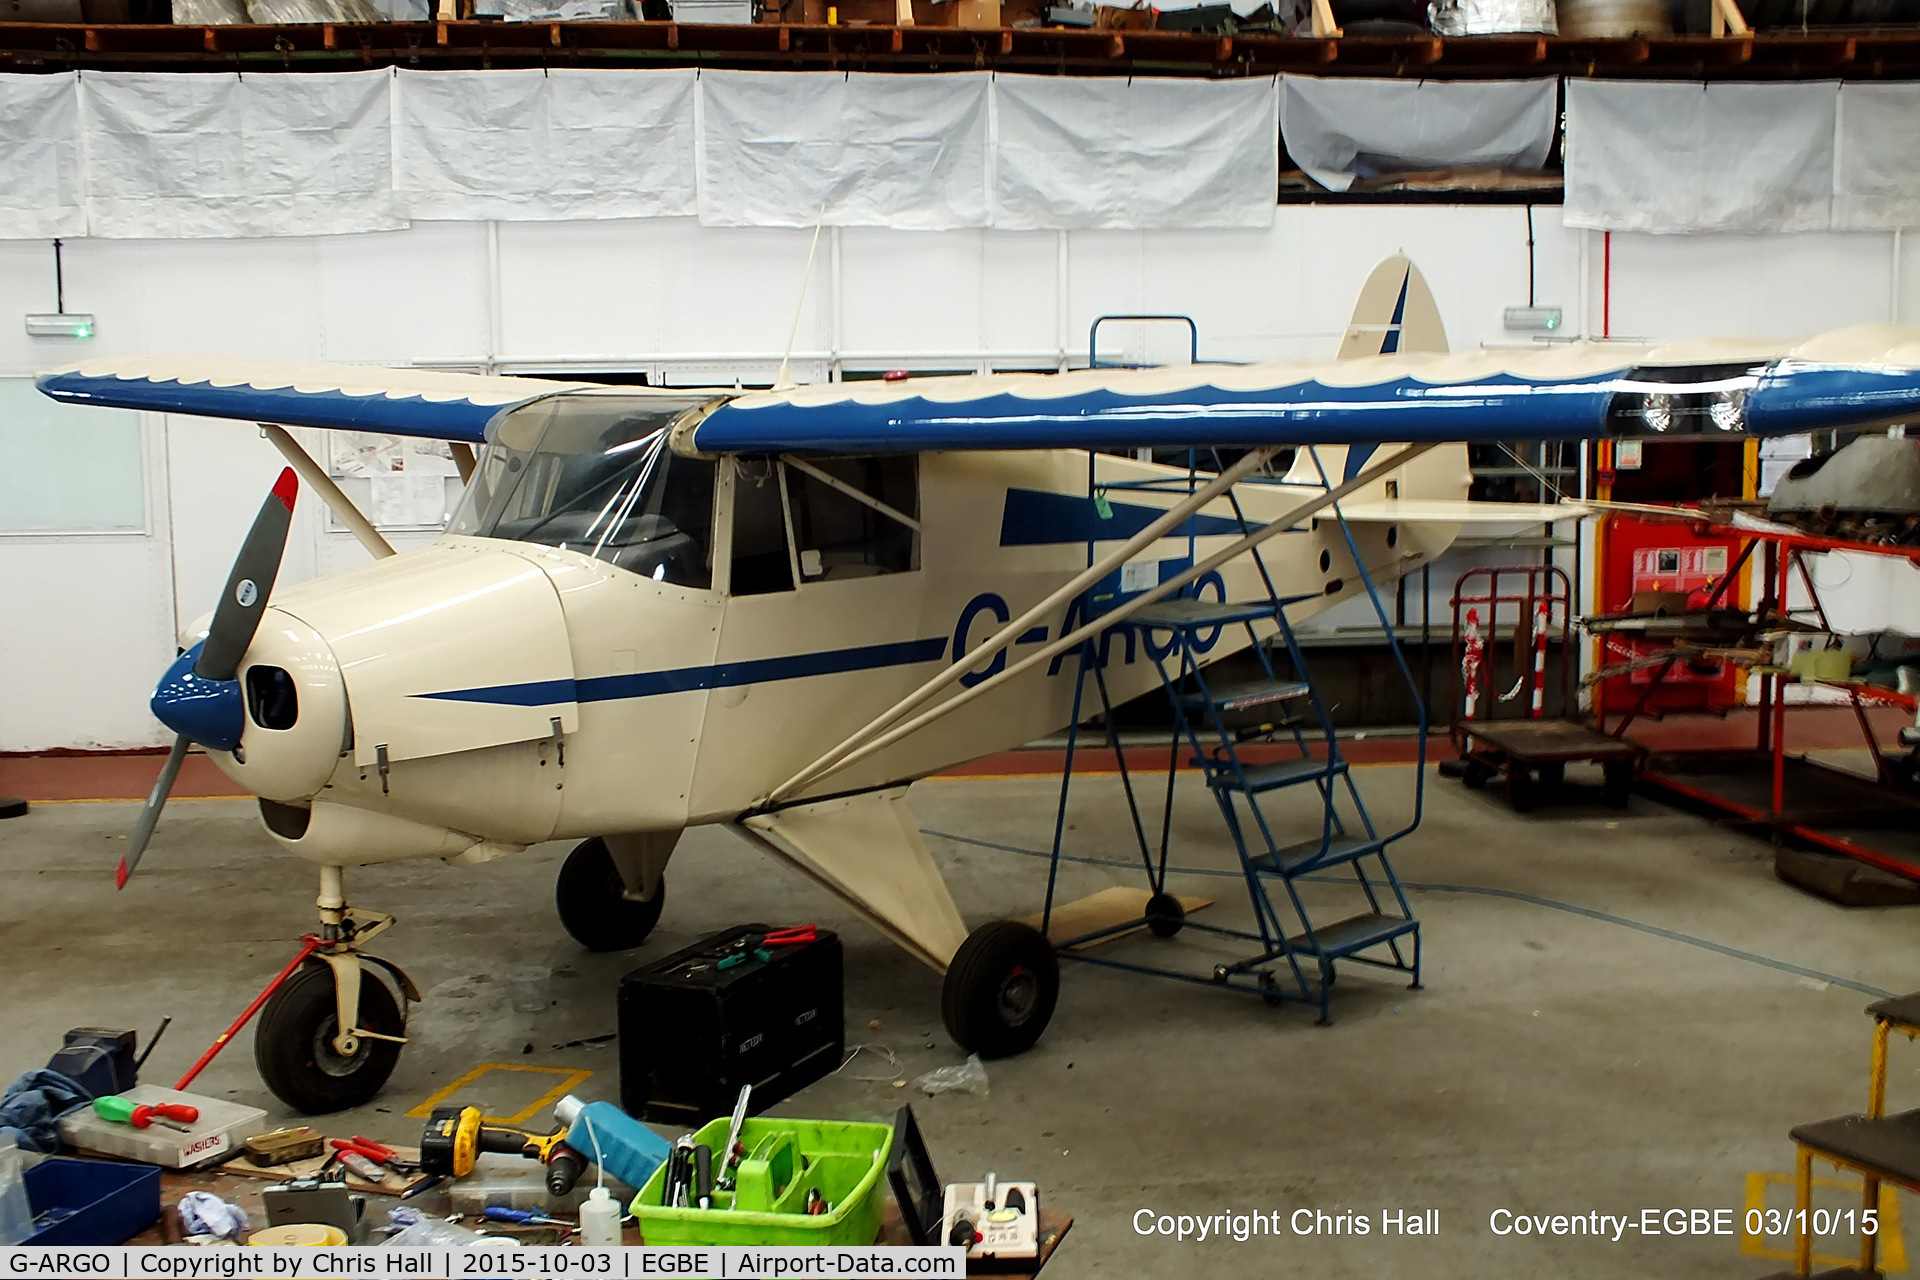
column 1099, row 569
column 341, row 505
column 877, row 736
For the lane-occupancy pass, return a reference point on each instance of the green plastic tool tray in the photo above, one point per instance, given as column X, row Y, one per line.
column 786, row 1159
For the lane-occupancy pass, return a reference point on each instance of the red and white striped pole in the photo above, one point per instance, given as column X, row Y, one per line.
column 1472, row 656
column 1543, row 618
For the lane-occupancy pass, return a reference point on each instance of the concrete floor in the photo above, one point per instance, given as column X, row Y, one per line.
column 1556, row 1063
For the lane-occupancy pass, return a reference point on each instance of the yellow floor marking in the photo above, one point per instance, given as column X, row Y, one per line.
column 574, row 1077
column 1892, row 1252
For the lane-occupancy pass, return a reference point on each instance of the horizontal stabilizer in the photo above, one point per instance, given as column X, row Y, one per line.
column 1442, row 511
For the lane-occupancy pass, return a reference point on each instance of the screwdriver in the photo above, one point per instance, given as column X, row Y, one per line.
column 526, row 1217
column 141, row 1115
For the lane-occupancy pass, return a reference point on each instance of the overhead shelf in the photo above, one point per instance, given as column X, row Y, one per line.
column 52, row 47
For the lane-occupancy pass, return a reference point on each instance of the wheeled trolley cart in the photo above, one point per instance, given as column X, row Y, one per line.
column 1531, row 745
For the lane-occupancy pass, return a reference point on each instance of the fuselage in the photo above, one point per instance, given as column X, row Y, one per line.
column 488, row 692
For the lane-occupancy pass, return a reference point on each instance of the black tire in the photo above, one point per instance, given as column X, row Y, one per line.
column 293, row 1043
column 1000, row 990
column 1165, row 915
column 592, row 902
column 1520, row 788
column 1618, row 775
column 1476, row 775
column 1553, row 775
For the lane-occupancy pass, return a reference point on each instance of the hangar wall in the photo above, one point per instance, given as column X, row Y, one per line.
column 90, row 616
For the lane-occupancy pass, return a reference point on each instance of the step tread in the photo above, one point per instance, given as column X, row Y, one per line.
column 1307, row 853
column 1356, row 933
column 1279, row 773
column 1188, row 613
column 1248, row 693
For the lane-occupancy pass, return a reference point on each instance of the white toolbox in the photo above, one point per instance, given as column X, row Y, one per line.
column 222, row 1127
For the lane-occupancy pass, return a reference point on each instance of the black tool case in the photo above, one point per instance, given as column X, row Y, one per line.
column 692, row 1033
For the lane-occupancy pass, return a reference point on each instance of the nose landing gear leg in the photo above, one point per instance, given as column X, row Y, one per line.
column 328, row 1038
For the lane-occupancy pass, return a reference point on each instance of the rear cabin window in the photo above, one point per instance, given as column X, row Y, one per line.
column 855, row 517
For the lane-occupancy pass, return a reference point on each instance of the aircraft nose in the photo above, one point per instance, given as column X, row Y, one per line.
column 209, row 712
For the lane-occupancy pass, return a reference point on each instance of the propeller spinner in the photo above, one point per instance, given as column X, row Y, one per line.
column 199, row 698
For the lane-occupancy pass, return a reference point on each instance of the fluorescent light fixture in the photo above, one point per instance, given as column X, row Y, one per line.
column 1533, row 319
column 61, row 324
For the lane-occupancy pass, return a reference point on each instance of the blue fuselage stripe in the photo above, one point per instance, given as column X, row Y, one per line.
column 649, row 684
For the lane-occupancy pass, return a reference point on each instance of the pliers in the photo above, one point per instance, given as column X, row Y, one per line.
column 791, row 937
column 756, row 944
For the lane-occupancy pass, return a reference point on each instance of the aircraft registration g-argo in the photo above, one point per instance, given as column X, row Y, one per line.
column 775, row 609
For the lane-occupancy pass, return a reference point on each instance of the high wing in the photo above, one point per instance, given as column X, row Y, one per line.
column 401, row 402
column 1859, row 377
column 1864, row 376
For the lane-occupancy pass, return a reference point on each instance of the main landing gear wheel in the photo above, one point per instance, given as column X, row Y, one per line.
column 293, row 1043
column 1000, row 989
column 593, row 904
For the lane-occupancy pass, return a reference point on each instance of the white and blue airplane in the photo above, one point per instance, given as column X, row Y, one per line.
column 775, row 609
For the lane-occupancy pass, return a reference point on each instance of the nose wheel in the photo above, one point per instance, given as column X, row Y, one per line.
column 297, row 1044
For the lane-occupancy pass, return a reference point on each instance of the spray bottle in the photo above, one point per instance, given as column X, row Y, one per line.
column 618, row 1144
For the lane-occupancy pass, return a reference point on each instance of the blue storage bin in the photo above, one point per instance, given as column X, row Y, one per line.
column 91, row 1202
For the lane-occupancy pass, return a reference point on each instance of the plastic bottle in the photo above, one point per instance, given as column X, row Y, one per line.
column 612, row 1139
column 600, row 1220
column 16, row 1214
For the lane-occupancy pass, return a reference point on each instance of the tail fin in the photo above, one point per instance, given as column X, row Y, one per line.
column 1395, row 312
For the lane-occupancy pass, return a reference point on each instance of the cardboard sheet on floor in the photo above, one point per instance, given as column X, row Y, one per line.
column 1104, row 910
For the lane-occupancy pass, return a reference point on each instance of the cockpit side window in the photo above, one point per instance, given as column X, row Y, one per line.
column 595, row 474
column 762, row 559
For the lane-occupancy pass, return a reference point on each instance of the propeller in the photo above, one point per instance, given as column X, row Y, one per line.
column 199, row 698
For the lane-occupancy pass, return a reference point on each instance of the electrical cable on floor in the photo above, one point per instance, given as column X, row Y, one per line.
column 1477, row 890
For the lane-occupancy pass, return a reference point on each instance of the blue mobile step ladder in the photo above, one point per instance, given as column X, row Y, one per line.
column 1297, row 948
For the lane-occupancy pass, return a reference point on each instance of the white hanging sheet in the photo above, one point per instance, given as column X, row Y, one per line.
column 1671, row 157
column 1338, row 130
column 789, row 149
column 1876, row 170
column 536, row 145
column 40, row 175
column 1134, row 154
column 214, row 155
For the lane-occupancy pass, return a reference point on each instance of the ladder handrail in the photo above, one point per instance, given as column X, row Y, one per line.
column 1400, row 660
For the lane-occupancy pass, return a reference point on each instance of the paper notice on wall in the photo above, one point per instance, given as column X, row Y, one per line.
column 360, row 453
column 430, row 457
column 1141, row 575
column 399, row 501
column 427, row 497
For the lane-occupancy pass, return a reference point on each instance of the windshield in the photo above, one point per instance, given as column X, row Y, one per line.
column 594, row 474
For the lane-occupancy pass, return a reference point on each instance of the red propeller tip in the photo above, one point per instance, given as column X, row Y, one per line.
column 120, row 875
column 286, row 487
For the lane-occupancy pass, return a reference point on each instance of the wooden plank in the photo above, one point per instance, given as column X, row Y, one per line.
column 1104, row 910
